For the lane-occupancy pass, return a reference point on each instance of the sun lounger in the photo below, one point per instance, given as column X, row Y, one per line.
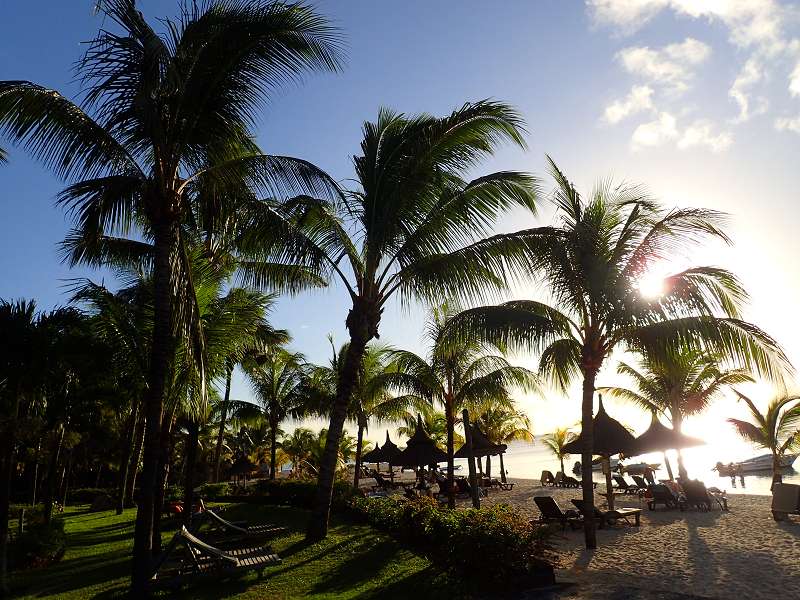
column 548, row 479
column 661, row 494
column 221, row 529
column 551, row 513
column 623, row 486
column 611, row 517
column 640, row 482
column 785, row 500
column 201, row 559
column 697, row 495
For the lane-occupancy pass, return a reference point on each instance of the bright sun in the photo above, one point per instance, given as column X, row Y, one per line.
column 651, row 286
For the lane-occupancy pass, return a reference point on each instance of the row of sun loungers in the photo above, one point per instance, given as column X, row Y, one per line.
column 552, row 513
column 560, row 480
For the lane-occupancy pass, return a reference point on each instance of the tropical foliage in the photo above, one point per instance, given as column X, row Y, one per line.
column 557, row 440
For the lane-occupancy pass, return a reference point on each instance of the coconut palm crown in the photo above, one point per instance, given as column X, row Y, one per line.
column 592, row 261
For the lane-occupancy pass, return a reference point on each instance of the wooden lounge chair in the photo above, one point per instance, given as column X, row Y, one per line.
column 623, row 486
column 201, row 560
column 222, row 530
column 611, row 517
column 661, row 494
column 551, row 513
column 640, row 482
column 785, row 500
column 699, row 496
column 548, row 479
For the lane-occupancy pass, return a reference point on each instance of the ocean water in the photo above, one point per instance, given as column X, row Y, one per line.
column 527, row 461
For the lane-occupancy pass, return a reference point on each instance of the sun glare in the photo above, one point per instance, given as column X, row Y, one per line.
column 651, row 286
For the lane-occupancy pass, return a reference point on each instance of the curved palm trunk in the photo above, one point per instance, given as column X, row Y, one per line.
column 318, row 524
column 125, row 458
column 191, row 459
column 222, row 419
column 590, row 534
column 136, row 457
column 450, row 420
column 273, row 449
column 161, row 353
column 359, row 444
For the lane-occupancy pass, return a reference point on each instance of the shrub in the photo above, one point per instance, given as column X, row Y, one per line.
column 489, row 548
column 39, row 545
column 174, row 493
column 301, row 494
column 87, row 495
column 212, row 491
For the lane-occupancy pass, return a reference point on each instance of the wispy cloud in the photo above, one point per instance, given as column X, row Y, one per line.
column 655, row 133
column 788, row 124
column 666, row 129
column 638, row 100
column 671, row 67
column 702, row 133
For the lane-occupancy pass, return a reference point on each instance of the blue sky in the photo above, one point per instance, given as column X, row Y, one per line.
column 699, row 100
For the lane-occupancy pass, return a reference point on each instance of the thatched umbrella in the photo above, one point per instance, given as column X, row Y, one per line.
column 420, row 450
column 373, row 456
column 390, row 452
column 609, row 437
column 242, row 466
column 660, row 438
column 482, row 446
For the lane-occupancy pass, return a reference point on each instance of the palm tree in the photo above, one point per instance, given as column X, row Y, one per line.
column 456, row 377
column 163, row 117
column 677, row 382
column 593, row 261
column 297, row 448
column 557, row 440
column 411, row 229
column 434, row 423
column 776, row 430
column 276, row 380
column 503, row 424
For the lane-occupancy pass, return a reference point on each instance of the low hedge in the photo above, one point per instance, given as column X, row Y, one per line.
column 87, row 495
column 489, row 549
column 39, row 545
column 215, row 491
column 301, row 494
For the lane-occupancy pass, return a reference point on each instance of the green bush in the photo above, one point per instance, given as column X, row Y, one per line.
column 212, row 491
column 87, row 495
column 39, row 545
column 174, row 493
column 301, row 494
column 491, row 548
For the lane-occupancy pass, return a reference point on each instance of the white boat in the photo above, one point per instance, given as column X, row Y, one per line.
column 755, row 464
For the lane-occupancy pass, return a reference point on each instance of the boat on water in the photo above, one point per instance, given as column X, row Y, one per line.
column 632, row 468
column 754, row 465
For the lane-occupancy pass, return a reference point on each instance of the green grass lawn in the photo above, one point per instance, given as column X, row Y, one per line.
column 355, row 561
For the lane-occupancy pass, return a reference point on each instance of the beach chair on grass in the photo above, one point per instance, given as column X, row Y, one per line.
column 200, row 560
column 611, row 517
column 552, row 513
column 222, row 530
column 785, row 500
column 548, row 479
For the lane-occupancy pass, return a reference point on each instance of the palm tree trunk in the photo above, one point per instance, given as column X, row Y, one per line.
column 677, row 424
column 52, row 471
column 488, row 466
column 222, row 419
column 777, row 475
column 136, row 457
column 561, row 459
column 273, row 449
column 6, row 475
column 450, row 421
column 502, row 469
column 191, row 459
column 167, row 446
column 318, row 524
column 161, row 354
column 359, row 443
column 125, row 458
column 587, row 406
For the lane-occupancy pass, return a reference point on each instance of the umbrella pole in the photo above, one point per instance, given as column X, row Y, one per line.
column 609, row 490
column 473, row 479
column 668, row 466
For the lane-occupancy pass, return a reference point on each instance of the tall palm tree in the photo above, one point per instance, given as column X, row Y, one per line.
column 592, row 261
column 164, row 117
column 411, row 229
column 276, row 380
column 504, row 424
column 677, row 382
column 556, row 441
column 776, row 430
column 456, row 377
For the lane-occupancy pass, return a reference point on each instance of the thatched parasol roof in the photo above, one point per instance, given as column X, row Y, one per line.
column 373, row 456
column 243, row 466
column 659, row 438
column 610, row 436
column 390, row 451
column 481, row 446
column 420, row 450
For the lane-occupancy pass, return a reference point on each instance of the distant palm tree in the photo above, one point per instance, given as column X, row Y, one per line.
column 412, row 229
column 504, row 424
column 455, row 378
column 433, row 421
column 593, row 262
column 677, row 382
column 163, row 117
column 556, row 441
column 776, row 430
column 297, row 448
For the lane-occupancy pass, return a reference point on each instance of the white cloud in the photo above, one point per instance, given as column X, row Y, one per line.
column 639, row 99
column 672, row 66
column 794, row 81
column 628, row 15
column 788, row 124
column 750, row 75
column 655, row 133
column 702, row 133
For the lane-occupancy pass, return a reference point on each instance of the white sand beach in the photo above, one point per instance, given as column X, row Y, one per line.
column 742, row 553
